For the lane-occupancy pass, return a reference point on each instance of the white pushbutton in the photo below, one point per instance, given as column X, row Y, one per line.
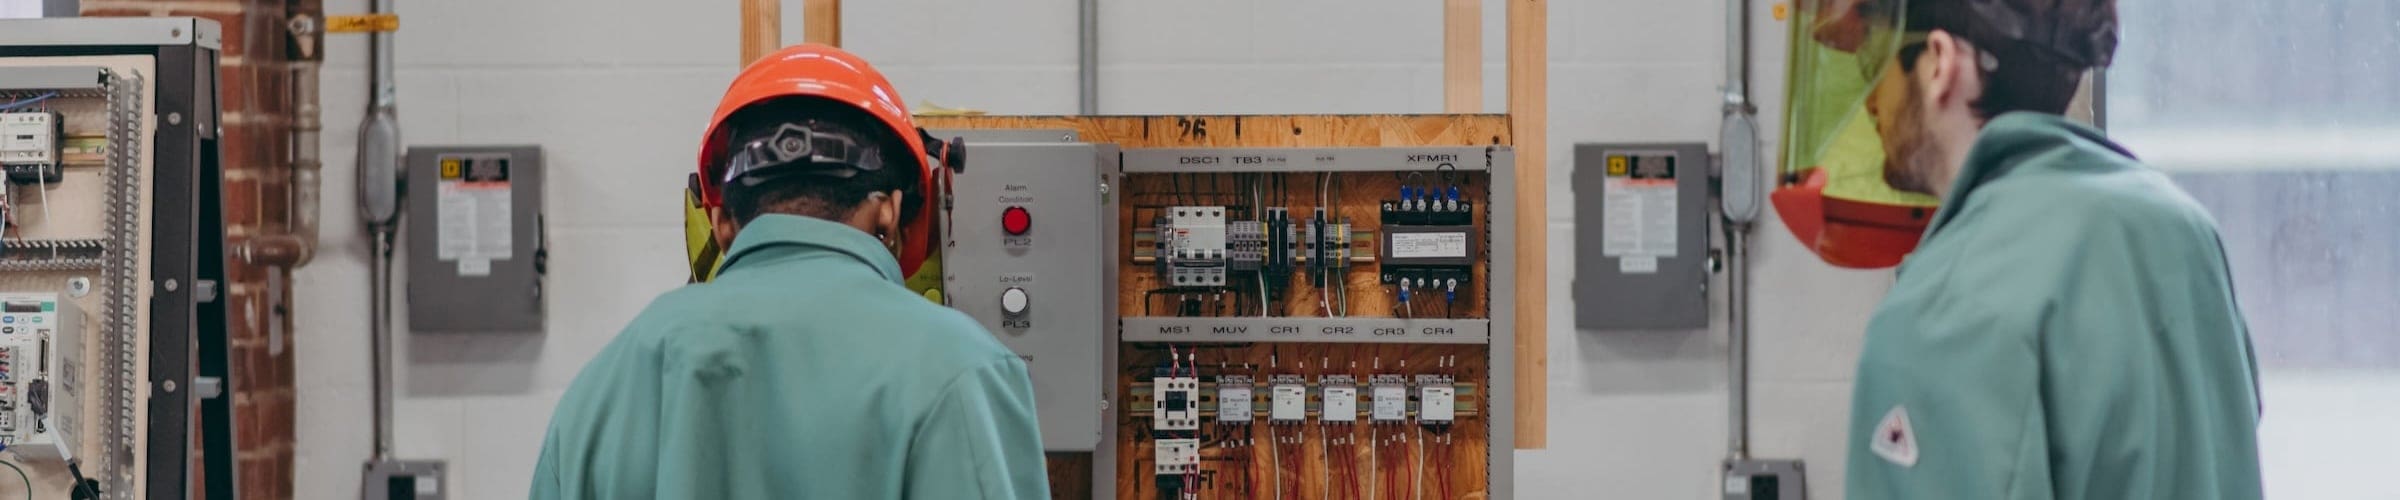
column 1014, row 301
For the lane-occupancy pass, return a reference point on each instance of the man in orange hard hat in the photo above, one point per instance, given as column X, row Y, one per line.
column 799, row 366
column 2065, row 327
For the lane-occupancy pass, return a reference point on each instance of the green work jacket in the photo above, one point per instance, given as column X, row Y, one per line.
column 2067, row 329
column 803, row 371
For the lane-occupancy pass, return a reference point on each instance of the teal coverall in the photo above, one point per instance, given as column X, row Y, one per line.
column 2066, row 329
column 803, row 371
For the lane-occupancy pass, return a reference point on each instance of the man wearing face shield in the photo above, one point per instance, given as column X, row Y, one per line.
column 800, row 366
column 2065, row 326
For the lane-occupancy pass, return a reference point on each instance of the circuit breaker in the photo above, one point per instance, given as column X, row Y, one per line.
column 41, row 366
column 1027, row 226
column 1642, row 231
column 475, row 241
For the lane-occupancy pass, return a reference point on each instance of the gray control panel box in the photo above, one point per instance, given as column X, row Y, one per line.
column 1641, row 236
column 475, row 242
column 1030, row 232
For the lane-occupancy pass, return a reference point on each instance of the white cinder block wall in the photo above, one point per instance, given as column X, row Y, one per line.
column 617, row 93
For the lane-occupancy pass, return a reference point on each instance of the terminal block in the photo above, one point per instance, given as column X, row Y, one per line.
column 1327, row 247
column 1429, row 206
column 1247, row 245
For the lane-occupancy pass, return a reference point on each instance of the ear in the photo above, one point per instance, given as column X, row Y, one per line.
column 1950, row 71
column 888, row 214
column 723, row 227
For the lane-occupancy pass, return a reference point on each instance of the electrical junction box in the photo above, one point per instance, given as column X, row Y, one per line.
column 1027, row 223
column 1765, row 480
column 41, row 359
column 1642, row 229
column 475, row 247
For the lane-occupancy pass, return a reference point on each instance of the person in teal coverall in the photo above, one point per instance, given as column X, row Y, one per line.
column 2067, row 327
column 803, row 369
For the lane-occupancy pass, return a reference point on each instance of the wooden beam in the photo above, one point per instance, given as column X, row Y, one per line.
column 1462, row 56
column 821, row 22
column 1529, row 122
column 762, row 29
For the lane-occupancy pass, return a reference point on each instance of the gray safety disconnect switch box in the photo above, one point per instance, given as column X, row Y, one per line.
column 1641, row 236
column 475, row 243
column 1030, row 230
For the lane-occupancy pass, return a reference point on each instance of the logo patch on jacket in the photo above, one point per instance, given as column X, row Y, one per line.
column 1894, row 440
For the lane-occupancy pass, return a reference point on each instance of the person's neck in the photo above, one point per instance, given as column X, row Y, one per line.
column 1952, row 141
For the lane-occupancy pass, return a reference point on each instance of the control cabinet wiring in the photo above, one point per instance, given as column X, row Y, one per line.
column 1381, row 255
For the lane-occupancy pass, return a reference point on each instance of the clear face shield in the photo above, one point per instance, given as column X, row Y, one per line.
column 1832, row 193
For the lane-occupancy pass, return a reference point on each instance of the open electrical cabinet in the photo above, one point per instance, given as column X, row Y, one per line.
column 1249, row 306
column 113, row 341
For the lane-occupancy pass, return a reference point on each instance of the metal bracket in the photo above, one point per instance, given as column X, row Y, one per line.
column 208, row 387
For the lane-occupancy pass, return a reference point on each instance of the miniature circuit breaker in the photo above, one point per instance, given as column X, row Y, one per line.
column 1196, row 252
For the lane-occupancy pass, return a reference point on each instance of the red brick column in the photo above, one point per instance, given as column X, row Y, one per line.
column 254, row 91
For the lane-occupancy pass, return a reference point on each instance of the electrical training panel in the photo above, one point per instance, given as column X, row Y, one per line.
column 1336, row 302
column 113, row 304
column 1305, row 323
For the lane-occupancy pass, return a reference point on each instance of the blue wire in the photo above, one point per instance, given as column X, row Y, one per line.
column 27, row 102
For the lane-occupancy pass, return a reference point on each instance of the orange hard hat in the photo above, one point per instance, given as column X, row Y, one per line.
column 825, row 72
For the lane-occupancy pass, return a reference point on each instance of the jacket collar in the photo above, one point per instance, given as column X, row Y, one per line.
column 2009, row 145
column 773, row 235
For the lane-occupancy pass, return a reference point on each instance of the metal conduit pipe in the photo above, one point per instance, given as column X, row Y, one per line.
column 1738, row 140
column 1087, row 62
column 379, row 210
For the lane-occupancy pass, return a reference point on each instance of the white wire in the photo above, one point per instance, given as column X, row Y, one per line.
column 42, row 178
column 1321, row 436
column 1276, row 459
column 1374, row 460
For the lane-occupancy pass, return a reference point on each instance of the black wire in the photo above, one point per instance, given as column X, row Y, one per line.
column 29, row 480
